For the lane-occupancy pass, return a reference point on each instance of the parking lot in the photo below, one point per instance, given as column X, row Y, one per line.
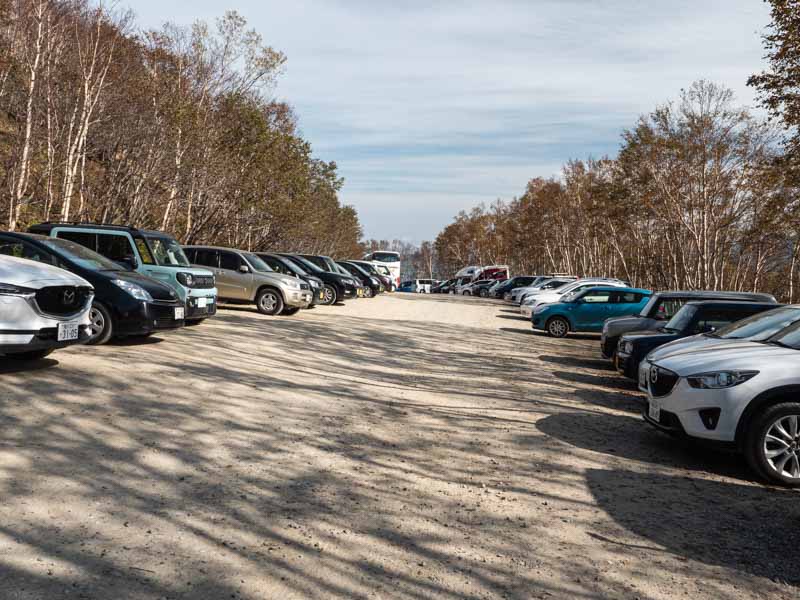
column 404, row 446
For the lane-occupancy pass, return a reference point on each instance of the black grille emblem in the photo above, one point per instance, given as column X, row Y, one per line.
column 68, row 297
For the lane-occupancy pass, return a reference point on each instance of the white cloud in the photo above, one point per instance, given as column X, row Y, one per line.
column 430, row 107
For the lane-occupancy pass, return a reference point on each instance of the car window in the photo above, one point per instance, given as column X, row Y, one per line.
column 206, row 257
column 711, row 319
column 596, row 297
column 256, row 263
column 230, row 261
column 22, row 249
column 79, row 237
column 276, row 265
column 626, row 297
column 115, row 247
column 144, row 251
column 762, row 325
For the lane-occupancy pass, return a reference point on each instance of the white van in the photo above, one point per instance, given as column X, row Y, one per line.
column 423, row 286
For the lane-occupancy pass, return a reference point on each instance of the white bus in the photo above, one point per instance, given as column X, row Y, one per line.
column 390, row 260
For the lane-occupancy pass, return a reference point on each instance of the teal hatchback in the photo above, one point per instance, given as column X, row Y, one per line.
column 588, row 309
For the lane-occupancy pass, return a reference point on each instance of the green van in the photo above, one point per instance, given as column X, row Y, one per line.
column 152, row 253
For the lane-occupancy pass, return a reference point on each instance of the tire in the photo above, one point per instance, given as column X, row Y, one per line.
column 290, row 310
column 368, row 293
column 484, row 293
column 609, row 349
column 329, row 295
column 269, row 302
column 776, row 430
column 193, row 322
column 101, row 325
column 557, row 327
column 32, row 355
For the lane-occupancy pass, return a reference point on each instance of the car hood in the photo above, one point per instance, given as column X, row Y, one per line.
column 32, row 274
column 158, row 290
column 745, row 355
column 693, row 343
column 651, row 338
column 616, row 326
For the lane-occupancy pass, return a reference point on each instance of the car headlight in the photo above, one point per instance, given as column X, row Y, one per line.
column 718, row 380
column 313, row 283
column 539, row 309
column 627, row 347
column 6, row 289
column 291, row 283
column 134, row 290
column 186, row 279
column 374, row 281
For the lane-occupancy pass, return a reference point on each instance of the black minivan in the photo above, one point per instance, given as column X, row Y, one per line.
column 126, row 303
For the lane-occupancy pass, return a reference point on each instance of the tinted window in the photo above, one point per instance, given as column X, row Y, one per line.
column 207, row 258
column 762, row 325
column 711, row 319
column 84, row 239
column 386, row 257
column 21, row 249
column 276, row 265
column 682, row 319
column 593, row 297
column 80, row 255
column 256, row 263
column 626, row 298
column 230, row 261
column 115, row 247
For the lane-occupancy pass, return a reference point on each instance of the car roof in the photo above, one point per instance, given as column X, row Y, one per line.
column 197, row 246
column 730, row 303
column 49, row 226
column 723, row 295
column 610, row 288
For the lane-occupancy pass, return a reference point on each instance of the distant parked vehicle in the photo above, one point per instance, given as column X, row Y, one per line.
column 43, row 308
column 540, row 284
column 152, row 253
column 377, row 270
column 661, row 308
column 407, row 286
column 495, row 272
column 740, row 396
column 284, row 266
column 125, row 303
column 506, row 286
column 370, row 284
column 242, row 277
column 474, row 288
column 692, row 319
column 443, row 287
column 586, row 309
column 561, row 291
column 391, row 260
column 336, row 287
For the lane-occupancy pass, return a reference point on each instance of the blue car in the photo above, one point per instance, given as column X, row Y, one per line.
column 588, row 309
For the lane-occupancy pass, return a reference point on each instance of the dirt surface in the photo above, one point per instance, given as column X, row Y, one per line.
column 400, row 447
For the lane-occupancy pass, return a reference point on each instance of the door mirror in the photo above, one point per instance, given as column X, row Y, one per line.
column 129, row 262
column 244, row 269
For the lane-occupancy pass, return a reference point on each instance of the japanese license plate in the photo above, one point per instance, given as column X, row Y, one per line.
column 67, row 332
column 322, row 295
column 643, row 371
column 180, row 313
column 201, row 302
column 654, row 410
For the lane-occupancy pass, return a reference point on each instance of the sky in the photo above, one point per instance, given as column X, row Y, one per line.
column 432, row 107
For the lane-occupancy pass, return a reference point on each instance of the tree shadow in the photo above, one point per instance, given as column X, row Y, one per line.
column 612, row 381
column 12, row 365
column 579, row 362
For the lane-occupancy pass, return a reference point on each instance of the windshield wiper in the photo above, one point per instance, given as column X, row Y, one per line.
column 780, row 344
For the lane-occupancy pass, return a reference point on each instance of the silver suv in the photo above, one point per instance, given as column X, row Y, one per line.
column 744, row 394
column 244, row 278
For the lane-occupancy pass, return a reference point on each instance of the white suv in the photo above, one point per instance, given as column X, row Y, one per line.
column 744, row 395
column 41, row 308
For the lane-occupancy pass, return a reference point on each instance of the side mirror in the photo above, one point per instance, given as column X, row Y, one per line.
column 129, row 262
column 244, row 269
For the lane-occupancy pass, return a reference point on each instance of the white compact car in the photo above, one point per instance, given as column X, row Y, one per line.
column 744, row 395
column 42, row 308
column 560, row 294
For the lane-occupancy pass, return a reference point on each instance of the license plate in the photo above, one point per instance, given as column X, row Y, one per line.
column 654, row 410
column 179, row 313
column 643, row 371
column 201, row 302
column 322, row 296
column 67, row 332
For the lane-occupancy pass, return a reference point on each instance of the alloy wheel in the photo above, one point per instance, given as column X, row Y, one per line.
column 782, row 446
column 327, row 295
column 557, row 328
column 268, row 302
column 97, row 322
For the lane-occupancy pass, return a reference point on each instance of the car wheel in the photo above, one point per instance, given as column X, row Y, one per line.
column 32, row 355
column 773, row 444
column 101, row 326
column 484, row 293
column 558, row 327
column 368, row 293
column 329, row 295
column 293, row 310
column 269, row 302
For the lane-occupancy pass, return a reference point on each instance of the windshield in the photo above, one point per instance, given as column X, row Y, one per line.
column 340, row 269
column 167, row 251
column 307, row 264
column 80, row 255
column 256, row 262
column 290, row 265
column 789, row 337
column 386, row 257
column 761, row 326
column 359, row 269
column 682, row 319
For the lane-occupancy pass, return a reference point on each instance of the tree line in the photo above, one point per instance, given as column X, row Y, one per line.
column 701, row 195
column 173, row 129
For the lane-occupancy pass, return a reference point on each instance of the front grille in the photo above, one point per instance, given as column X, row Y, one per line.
column 661, row 381
column 203, row 281
column 63, row 300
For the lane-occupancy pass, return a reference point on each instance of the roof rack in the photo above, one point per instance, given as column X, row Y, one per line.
column 89, row 224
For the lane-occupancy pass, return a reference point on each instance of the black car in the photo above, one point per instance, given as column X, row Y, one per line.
column 693, row 318
column 385, row 280
column 336, row 287
column 661, row 308
column 482, row 289
column 372, row 285
column 281, row 264
column 444, row 287
column 511, row 284
column 126, row 303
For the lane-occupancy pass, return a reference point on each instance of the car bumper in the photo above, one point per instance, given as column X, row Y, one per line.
column 608, row 345
column 626, row 365
column 24, row 329
column 152, row 316
column 298, row 298
column 200, row 307
column 526, row 311
column 350, row 292
column 681, row 411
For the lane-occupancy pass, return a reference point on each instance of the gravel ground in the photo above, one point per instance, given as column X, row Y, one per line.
column 401, row 447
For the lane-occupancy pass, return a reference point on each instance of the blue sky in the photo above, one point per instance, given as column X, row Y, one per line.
column 433, row 107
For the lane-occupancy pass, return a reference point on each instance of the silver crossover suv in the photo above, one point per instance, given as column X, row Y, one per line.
column 244, row 278
column 42, row 308
column 744, row 394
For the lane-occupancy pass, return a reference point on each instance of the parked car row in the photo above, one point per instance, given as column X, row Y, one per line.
column 69, row 283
